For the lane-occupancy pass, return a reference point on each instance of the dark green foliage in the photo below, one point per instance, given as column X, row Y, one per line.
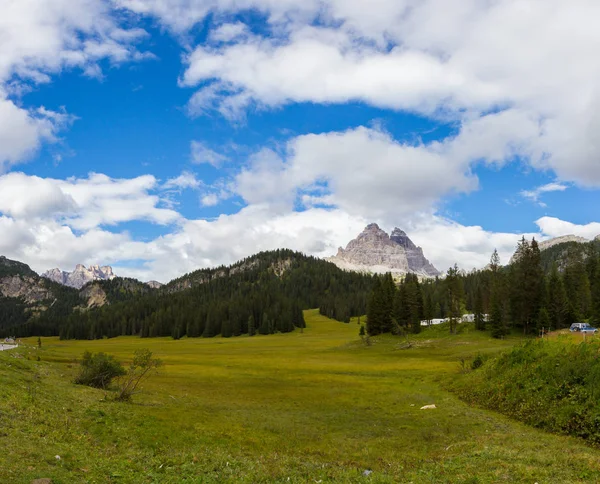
column 18, row 318
column 543, row 321
column 122, row 289
column 376, row 309
column 552, row 385
column 527, row 283
column 498, row 319
column 478, row 313
column 454, row 295
column 98, row 370
column 265, row 293
column 477, row 362
column 392, row 309
column 14, row 268
column 557, row 300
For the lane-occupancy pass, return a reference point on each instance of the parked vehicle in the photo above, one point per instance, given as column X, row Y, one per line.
column 583, row 328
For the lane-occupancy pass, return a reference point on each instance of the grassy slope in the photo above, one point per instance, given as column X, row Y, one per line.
column 306, row 406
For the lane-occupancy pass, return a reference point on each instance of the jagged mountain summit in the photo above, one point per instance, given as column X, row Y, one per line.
column 377, row 252
column 80, row 276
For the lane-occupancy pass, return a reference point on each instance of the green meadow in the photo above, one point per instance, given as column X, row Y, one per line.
column 313, row 406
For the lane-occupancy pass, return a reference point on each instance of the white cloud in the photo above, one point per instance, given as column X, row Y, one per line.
column 202, row 154
column 454, row 59
column 209, row 200
column 554, row 227
column 22, row 131
column 534, row 195
column 83, row 203
column 230, row 32
column 185, row 180
column 40, row 38
column 367, row 173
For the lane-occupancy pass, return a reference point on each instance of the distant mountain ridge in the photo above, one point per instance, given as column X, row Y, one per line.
column 80, row 276
column 564, row 251
column 374, row 251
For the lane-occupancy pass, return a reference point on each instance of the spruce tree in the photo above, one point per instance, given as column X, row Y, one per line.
column 376, row 309
column 226, row 329
column 557, row 300
column 454, row 296
column 251, row 327
column 478, row 310
column 543, row 321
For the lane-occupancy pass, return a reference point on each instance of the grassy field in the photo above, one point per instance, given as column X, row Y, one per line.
column 317, row 406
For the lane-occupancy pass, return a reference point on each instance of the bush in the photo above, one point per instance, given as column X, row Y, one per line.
column 141, row 368
column 477, row 362
column 98, row 370
column 554, row 385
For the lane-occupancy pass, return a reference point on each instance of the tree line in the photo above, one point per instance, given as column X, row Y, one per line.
column 528, row 295
column 264, row 294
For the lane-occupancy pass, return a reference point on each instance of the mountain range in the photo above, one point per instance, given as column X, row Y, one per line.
column 374, row 251
column 44, row 302
column 80, row 276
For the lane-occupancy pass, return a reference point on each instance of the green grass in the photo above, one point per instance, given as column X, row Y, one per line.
column 300, row 407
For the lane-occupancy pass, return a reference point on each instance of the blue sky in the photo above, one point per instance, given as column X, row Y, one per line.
column 160, row 136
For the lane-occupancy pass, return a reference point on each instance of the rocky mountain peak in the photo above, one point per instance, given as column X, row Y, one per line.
column 375, row 251
column 400, row 237
column 80, row 276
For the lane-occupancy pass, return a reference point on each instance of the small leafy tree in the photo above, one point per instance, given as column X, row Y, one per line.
column 98, row 370
column 142, row 367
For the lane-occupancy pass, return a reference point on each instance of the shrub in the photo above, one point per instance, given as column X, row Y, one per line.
column 142, row 367
column 98, row 370
column 553, row 385
column 477, row 362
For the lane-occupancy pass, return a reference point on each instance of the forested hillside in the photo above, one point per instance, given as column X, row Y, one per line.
column 526, row 295
column 262, row 294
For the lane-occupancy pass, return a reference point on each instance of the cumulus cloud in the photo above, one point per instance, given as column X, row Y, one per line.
column 554, row 227
column 41, row 38
column 83, row 203
column 535, row 194
column 22, row 131
column 185, row 180
column 453, row 60
column 203, row 154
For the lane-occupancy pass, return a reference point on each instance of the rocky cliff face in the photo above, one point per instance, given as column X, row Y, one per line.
column 375, row 251
column 28, row 288
column 80, row 276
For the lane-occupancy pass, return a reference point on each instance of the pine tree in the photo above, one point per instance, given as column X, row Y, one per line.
column 265, row 326
column 388, row 293
column 209, row 327
column 557, row 300
column 495, row 262
column 478, row 310
column 251, row 328
column 454, row 296
column 498, row 320
column 543, row 321
column 376, row 309
column 226, row 329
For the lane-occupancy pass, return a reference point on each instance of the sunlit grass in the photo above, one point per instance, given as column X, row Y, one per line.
column 309, row 406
